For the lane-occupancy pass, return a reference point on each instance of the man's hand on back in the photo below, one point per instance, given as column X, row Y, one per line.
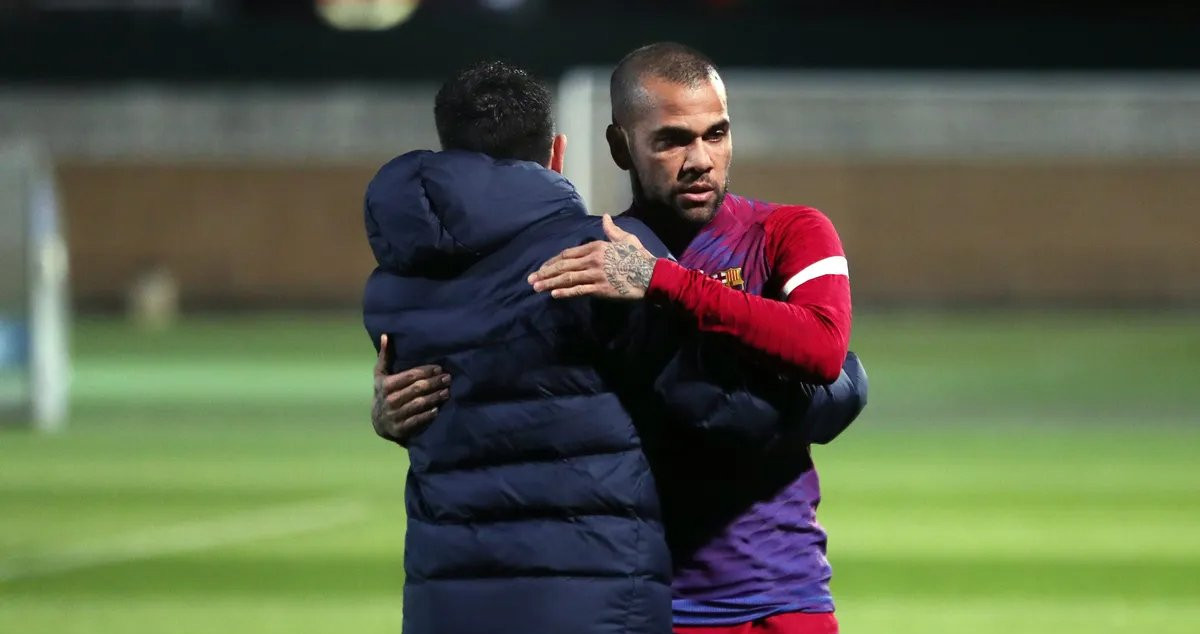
column 619, row 268
column 405, row 403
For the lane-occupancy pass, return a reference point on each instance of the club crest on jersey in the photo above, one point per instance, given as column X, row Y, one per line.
column 731, row 278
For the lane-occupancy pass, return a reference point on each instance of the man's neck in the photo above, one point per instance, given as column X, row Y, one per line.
column 675, row 233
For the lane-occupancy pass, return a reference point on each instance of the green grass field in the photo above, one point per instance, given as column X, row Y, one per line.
column 1013, row 473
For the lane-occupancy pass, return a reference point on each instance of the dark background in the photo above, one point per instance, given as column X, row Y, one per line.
column 277, row 40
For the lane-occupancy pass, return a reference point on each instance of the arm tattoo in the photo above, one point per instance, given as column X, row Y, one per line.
column 627, row 267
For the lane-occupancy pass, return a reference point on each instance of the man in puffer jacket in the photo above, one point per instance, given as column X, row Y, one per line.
column 532, row 507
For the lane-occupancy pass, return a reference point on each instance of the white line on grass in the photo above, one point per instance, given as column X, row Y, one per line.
column 239, row 528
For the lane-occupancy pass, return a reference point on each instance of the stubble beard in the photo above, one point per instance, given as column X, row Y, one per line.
column 665, row 207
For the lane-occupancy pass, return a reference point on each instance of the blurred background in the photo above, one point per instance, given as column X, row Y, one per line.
column 181, row 257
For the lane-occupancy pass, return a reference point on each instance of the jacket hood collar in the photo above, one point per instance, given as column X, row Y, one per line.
column 424, row 208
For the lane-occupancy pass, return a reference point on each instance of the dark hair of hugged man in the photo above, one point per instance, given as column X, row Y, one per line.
column 496, row 109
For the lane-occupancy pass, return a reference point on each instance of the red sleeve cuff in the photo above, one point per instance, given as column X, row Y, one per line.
column 667, row 281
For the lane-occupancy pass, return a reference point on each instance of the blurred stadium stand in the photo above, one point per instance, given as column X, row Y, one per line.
column 1023, row 154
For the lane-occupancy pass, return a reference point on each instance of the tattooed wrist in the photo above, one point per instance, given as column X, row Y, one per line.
column 626, row 267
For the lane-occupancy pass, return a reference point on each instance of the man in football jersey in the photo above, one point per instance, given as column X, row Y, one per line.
column 748, row 552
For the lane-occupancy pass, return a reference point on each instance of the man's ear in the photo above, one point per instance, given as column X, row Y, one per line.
column 558, row 151
column 618, row 146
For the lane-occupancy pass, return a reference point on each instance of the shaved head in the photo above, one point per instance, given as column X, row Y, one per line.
column 665, row 61
column 671, row 132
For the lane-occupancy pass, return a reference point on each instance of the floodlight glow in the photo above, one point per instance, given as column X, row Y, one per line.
column 366, row 15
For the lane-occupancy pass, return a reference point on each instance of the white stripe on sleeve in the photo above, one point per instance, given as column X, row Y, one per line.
column 835, row 265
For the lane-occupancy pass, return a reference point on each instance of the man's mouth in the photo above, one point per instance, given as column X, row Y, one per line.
column 698, row 193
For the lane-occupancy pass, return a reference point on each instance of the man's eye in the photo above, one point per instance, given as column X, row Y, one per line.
column 715, row 135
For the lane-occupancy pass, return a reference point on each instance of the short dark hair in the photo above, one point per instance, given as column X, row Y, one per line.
column 674, row 62
column 497, row 109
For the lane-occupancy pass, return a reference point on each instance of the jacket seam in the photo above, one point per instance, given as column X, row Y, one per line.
column 528, row 461
column 630, row 514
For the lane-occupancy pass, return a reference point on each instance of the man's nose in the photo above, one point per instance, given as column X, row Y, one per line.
column 698, row 158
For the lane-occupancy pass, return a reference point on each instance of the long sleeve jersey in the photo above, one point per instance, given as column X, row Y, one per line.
column 742, row 526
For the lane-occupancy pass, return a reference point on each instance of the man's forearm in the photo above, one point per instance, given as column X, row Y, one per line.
column 811, row 338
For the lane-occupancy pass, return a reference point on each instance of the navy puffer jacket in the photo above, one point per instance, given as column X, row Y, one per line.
column 531, row 506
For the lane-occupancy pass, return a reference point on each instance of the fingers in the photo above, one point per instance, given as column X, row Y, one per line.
column 420, row 395
column 401, row 414
column 614, row 233
column 411, row 418
column 395, row 382
column 581, row 251
column 577, row 291
column 420, row 404
column 404, row 431
column 570, row 279
column 419, row 388
column 554, row 266
column 561, row 268
column 422, row 419
column 587, row 269
column 381, row 363
column 568, row 259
